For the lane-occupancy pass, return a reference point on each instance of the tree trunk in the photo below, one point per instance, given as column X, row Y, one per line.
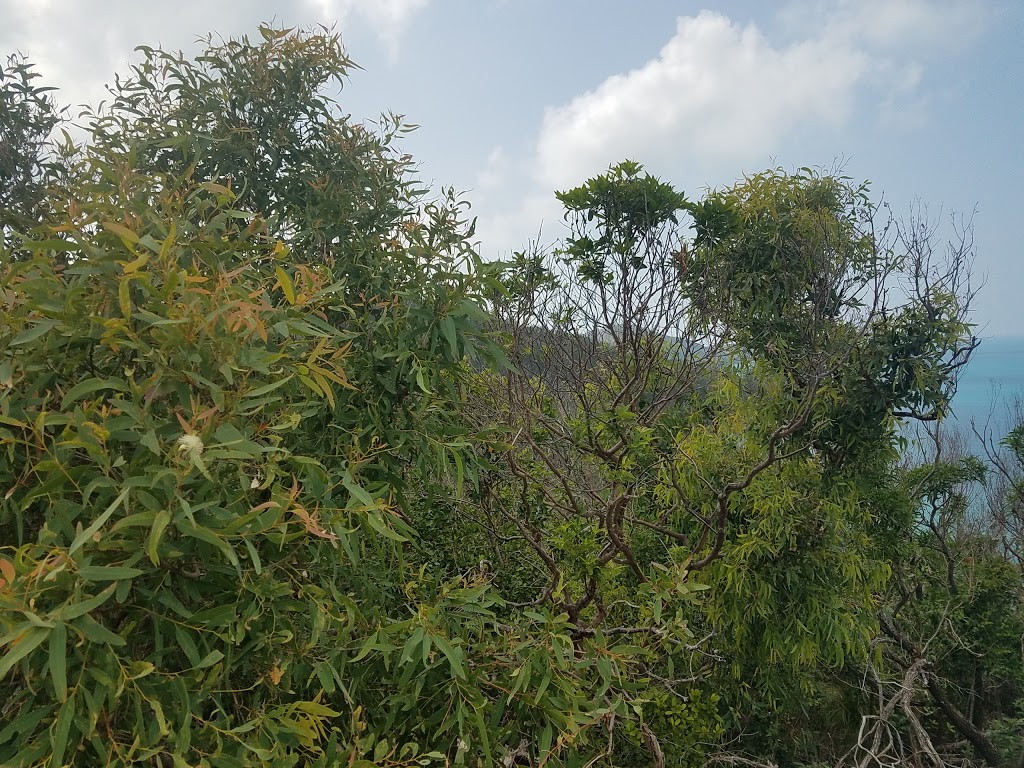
column 967, row 729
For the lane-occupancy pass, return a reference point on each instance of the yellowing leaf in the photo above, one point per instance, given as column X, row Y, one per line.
column 120, row 229
column 124, row 297
column 285, row 281
column 137, row 264
column 325, row 386
column 6, row 572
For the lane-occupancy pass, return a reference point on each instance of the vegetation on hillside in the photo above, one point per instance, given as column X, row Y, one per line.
column 291, row 475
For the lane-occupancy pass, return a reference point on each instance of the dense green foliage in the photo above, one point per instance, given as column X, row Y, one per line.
column 27, row 116
column 291, row 476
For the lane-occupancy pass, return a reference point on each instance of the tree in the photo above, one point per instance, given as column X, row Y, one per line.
column 698, row 435
column 27, row 117
column 953, row 619
column 291, row 476
column 220, row 378
column 1004, row 493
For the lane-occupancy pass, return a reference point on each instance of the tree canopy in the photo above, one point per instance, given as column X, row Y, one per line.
column 292, row 475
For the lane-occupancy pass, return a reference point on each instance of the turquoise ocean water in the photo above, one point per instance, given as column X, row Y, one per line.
column 994, row 376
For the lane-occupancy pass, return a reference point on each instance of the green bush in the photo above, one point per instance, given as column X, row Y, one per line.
column 212, row 399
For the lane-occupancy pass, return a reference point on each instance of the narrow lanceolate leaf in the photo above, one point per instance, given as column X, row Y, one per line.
column 448, row 329
column 124, row 296
column 33, row 332
column 357, row 492
column 22, row 647
column 58, row 660
column 210, row 659
column 453, row 654
column 88, row 533
column 120, row 229
column 163, row 519
column 373, row 517
column 61, row 730
column 285, row 281
column 75, row 610
column 108, row 572
column 137, row 264
column 95, row 632
column 88, row 386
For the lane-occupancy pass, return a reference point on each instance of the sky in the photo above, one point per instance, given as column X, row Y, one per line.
column 518, row 98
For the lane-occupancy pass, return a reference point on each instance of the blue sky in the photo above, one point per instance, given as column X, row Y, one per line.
column 517, row 98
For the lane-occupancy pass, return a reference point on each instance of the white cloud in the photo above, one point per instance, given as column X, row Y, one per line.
column 389, row 17
column 536, row 217
column 78, row 45
column 907, row 26
column 905, row 106
column 494, row 169
column 715, row 89
column 720, row 97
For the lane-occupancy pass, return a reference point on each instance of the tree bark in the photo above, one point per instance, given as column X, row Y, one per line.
column 968, row 730
column 981, row 743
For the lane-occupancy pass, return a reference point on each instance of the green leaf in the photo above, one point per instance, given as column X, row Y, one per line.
column 544, row 744
column 25, row 723
column 140, row 262
column 316, row 708
column 448, row 329
column 421, row 381
column 481, row 726
column 454, row 655
column 544, row 683
column 216, row 617
column 88, row 386
column 74, row 610
column 186, row 643
column 149, row 440
column 373, row 517
column 58, row 660
column 210, row 659
column 34, row 332
column 61, row 730
column 22, row 647
column 108, row 572
column 254, row 556
column 160, row 523
column 87, row 534
column 259, row 391
column 187, row 528
column 124, row 296
column 369, row 645
column 96, row 632
column 357, row 492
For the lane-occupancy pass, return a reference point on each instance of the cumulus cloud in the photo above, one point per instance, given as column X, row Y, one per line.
column 721, row 95
column 716, row 88
column 909, row 26
column 79, row 44
column 389, row 17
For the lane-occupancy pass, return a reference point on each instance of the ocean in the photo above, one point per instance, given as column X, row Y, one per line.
column 989, row 385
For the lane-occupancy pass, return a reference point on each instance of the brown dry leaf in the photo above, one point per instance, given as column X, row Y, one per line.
column 6, row 573
column 312, row 524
